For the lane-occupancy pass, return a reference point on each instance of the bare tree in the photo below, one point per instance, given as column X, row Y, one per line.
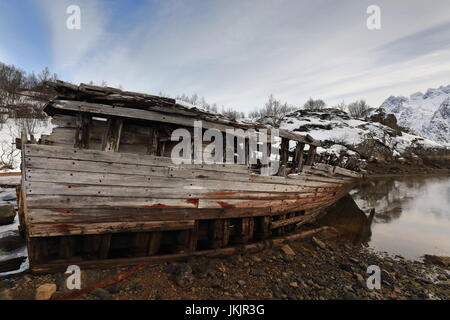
column 341, row 106
column 358, row 109
column 314, row 105
column 273, row 111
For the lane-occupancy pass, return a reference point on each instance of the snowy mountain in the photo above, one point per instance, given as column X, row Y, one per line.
column 427, row 114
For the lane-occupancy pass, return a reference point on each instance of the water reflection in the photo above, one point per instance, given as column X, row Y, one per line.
column 350, row 220
column 412, row 215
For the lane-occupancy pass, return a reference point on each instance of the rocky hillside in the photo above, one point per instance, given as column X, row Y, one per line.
column 428, row 115
column 379, row 139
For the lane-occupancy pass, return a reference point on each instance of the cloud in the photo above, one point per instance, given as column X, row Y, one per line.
column 237, row 52
column 417, row 44
column 70, row 47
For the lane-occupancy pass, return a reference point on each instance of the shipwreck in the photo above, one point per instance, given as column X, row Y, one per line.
column 102, row 190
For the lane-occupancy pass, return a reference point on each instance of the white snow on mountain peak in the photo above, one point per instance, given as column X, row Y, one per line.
column 427, row 114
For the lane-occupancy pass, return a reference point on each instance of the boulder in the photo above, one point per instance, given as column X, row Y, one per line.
column 11, row 264
column 287, row 250
column 7, row 214
column 46, row 291
column 442, row 261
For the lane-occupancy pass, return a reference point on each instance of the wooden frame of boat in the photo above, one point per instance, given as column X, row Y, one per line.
column 101, row 189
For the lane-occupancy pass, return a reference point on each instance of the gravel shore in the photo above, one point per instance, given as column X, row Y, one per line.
column 320, row 268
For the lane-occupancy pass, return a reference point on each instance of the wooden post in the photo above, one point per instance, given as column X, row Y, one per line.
column 219, row 233
column 311, row 155
column 298, row 157
column 140, row 244
column 152, row 141
column 67, row 247
column 284, row 156
column 113, row 132
column 262, row 227
column 245, row 228
column 154, row 242
column 82, row 134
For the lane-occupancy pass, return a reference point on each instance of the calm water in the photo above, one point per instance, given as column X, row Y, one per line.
column 412, row 215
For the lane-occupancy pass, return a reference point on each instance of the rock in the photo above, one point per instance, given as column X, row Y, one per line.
column 386, row 276
column 101, row 293
column 113, row 289
column 46, row 291
column 445, row 284
column 346, row 267
column 12, row 264
column 351, row 296
column 137, row 287
column 256, row 259
column 359, row 277
column 5, row 295
column 319, row 243
column 8, row 196
column 257, row 273
column 241, row 283
column 7, row 214
column 288, row 258
column 12, row 242
column 287, row 250
column 294, row 284
column 182, row 274
column 438, row 260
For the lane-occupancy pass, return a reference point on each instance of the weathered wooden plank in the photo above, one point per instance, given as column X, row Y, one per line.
column 43, row 175
column 68, row 202
column 126, row 158
column 50, row 188
column 347, row 173
column 57, row 229
column 237, row 203
column 89, row 215
column 64, row 121
column 93, row 166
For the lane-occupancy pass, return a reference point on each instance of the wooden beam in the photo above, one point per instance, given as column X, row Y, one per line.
column 111, row 137
column 108, row 110
column 82, row 134
column 311, row 155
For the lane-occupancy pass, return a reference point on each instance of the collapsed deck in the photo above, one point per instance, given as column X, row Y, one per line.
column 103, row 190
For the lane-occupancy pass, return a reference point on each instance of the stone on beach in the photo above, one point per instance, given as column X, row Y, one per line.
column 46, row 291
column 7, row 214
column 287, row 250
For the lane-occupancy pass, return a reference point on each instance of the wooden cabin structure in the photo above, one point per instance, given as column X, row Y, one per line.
column 102, row 190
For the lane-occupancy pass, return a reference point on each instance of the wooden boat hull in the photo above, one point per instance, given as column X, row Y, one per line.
column 76, row 202
column 102, row 190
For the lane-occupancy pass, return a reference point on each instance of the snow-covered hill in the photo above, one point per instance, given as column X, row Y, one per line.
column 427, row 114
column 364, row 139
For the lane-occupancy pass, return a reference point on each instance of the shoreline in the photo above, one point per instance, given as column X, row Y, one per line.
column 323, row 267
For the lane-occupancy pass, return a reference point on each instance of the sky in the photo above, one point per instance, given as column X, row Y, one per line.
column 236, row 52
